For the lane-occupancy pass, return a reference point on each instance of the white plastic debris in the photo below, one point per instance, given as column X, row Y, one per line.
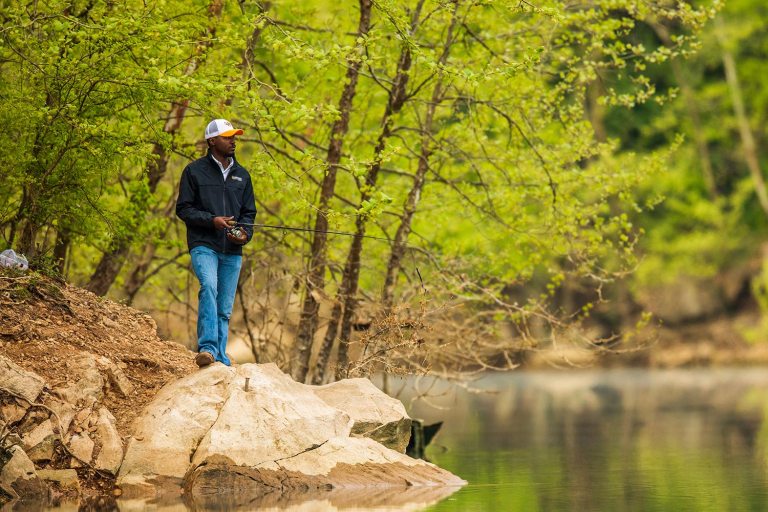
column 9, row 258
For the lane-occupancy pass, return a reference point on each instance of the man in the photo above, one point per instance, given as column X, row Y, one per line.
column 216, row 193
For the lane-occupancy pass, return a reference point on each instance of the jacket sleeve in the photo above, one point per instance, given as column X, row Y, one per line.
column 248, row 208
column 186, row 206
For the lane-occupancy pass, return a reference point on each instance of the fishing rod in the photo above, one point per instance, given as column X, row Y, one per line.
column 235, row 225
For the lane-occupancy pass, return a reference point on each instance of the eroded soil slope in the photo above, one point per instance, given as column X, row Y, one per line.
column 44, row 323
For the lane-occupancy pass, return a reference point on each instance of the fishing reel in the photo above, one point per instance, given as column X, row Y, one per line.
column 236, row 233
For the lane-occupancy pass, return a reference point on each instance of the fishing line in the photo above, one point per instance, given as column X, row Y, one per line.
column 236, row 226
column 309, row 230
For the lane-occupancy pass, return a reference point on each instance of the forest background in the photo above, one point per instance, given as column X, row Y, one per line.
column 513, row 176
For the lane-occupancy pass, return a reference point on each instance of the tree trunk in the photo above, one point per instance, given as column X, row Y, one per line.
column 346, row 303
column 315, row 279
column 399, row 244
column 112, row 261
column 141, row 273
column 60, row 249
column 747, row 138
column 345, row 300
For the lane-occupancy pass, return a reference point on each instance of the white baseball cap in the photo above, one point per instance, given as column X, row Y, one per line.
column 221, row 127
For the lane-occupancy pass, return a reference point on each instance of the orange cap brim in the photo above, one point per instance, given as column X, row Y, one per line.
column 230, row 133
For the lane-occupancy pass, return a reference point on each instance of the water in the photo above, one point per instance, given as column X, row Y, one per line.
column 618, row 440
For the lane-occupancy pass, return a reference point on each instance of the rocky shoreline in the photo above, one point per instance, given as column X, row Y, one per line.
column 244, row 434
column 96, row 409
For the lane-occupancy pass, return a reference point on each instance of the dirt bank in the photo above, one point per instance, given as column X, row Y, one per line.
column 44, row 323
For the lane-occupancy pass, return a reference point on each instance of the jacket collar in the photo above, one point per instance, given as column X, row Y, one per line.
column 212, row 161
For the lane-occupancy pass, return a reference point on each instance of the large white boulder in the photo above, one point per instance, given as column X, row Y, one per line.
column 375, row 415
column 170, row 429
column 274, row 420
column 254, row 431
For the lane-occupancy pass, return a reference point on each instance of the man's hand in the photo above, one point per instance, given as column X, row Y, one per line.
column 223, row 222
column 237, row 235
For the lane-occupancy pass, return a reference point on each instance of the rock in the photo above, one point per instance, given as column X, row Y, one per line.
column 64, row 413
column 278, row 436
column 39, row 442
column 88, row 388
column 108, row 441
column 171, row 427
column 43, row 451
column 81, row 446
column 117, row 378
column 11, row 411
column 343, row 462
column 81, row 417
column 374, row 414
column 18, row 477
column 37, row 435
column 256, row 425
column 18, row 381
column 65, row 478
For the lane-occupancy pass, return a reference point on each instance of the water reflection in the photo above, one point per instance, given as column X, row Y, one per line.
column 362, row 499
column 603, row 440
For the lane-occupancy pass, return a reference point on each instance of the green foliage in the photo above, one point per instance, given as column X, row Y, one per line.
column 518, row 183
column 79, row 95
column 701, row 229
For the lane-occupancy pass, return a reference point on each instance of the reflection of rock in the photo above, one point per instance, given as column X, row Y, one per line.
column 18, row 381
column 17, row 475
column 328, row 500
column 66, row 479
column 375, row 415
column 358, row 498
column 276, row 437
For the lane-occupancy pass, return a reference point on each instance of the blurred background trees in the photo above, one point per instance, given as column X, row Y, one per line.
column 538, row 173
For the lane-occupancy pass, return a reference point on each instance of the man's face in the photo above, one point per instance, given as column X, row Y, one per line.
column 224, row 145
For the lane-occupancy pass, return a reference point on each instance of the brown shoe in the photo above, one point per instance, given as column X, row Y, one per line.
column 204, row 359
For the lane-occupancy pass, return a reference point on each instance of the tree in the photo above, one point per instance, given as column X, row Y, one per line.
column 76, row 84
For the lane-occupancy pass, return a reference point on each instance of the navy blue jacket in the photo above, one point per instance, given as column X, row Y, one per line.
column 203, row 195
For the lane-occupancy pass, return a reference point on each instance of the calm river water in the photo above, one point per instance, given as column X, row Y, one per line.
column 616, row 440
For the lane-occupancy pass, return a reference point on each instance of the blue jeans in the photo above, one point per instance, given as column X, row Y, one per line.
column 218, row 274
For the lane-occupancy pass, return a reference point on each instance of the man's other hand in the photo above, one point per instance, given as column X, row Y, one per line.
column 222, row 222
column 237, row 236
